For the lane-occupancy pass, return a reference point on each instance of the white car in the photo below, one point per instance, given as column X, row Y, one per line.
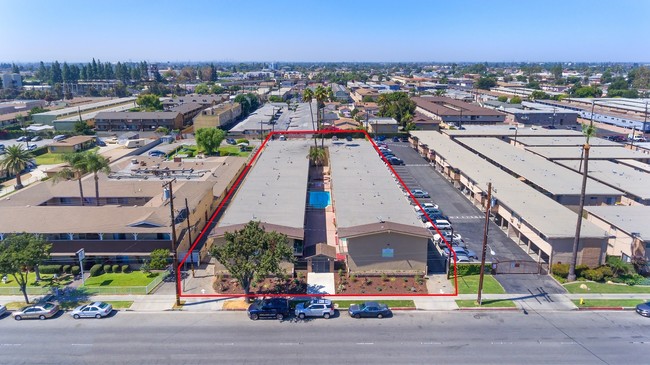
column 442, row 224
column 92, row 310
column 456, row 237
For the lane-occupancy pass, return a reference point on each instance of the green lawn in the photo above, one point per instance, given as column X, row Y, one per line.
column 588, row 303
column 232, row 151
column 136, row 278
column 345, row 304
column 469, row 285
column 598, row 288
column 495, row 303
column 31, row 280
column 49, row 159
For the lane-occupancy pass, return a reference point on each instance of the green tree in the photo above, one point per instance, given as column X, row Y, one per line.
column 317, row 155
column 252, row 253
column 618, row 83
column 639, row 77
column 216, row 89
column 202, row 89
column 396, row 105
column 209, row 139
column 149, row 102
column 163, row 131
column 14, row 161
column 502, row 98
column 75, row 169
column 556, row 70
column 159, row 259
column 515, row 100
column 485, row 83
column 20, row 253
column 96, row 163
column 321, row 95
column 81, row 127
column 539, row 95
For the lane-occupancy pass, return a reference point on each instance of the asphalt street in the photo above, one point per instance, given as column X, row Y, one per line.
column 406, row 338
column 467, row 219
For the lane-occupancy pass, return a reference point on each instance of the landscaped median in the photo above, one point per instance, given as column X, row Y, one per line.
column 607, row 304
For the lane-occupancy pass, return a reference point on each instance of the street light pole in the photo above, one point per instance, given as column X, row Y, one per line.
column 174, row 252
column 484, row 251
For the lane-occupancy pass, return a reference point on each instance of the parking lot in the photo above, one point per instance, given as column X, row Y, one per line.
column 467, row 220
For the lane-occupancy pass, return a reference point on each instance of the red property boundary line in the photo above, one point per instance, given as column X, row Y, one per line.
column 236, row 186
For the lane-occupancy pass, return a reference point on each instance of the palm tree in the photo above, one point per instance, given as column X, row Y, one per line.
column 15, row 160
column 307, row 97
column 317, row 155
column 588, row 131
column 75, row 170
column 95, row 163
column 321, row 95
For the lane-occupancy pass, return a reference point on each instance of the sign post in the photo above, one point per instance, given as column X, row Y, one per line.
column 81, row 254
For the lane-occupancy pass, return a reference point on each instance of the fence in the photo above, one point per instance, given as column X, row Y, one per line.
column 35, row 290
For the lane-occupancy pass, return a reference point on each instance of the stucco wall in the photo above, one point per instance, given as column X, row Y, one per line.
column 409, row 253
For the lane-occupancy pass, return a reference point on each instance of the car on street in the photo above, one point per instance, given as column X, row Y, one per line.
column 3, row 310
column 92, row 310
column 418, row 193
column 40, row 311
column 277, row 308
column 22, row 139
column 369, row 309
column 315, row 308
column 643, row 309
column 31, row 147
column 36, row 139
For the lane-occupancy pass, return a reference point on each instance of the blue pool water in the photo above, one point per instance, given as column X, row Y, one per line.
column 319, row 199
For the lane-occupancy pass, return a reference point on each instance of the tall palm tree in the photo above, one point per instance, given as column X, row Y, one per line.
column 307, row 97
column 75, row 170
column 321, row 95
column 95, row 163
column 588, row 131
column 15, row 160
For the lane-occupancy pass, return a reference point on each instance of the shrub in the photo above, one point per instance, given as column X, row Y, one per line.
column 125, row 268
column 96, row 270
column 50, row 269
column 634, row 279
column 593, row 274
column 606, row 271
column 561, row 270
column 115, row 268
column 384, row 277
column 75, row 270
column 471, row 269
column 580, row 270
column 159, row 259
column 66, row 269
column 241, row 140
column 353, row 278
column 108, row 268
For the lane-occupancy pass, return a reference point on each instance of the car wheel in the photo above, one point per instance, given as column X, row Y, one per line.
column 301, row 316
column 326, row 316
column 279, row 316
column 41, row 317
column 98, row 316
column 255, row 317
column 380, row 316
column 76, row 316
column 18, row 318
column 357, row 316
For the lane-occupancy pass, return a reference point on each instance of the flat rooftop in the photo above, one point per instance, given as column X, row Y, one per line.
column 565, row 141
column 623, row 177
column 275, row 188
column 100, row 104
column 631, row 219
column 641, row 166
column 546, row 174
column 286, row 119
column 575, row 153
column 547, row 216
column 444, row 106
column 364, row 189
column 509, row 131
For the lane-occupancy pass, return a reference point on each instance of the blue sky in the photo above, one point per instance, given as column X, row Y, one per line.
column 325, row 30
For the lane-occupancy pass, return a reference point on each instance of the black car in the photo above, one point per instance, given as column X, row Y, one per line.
column 231, row 141
column 269, row 308
column 348, row 138
column 395, row 161
column 404, row 139
column 369, row 309
column 395, row 139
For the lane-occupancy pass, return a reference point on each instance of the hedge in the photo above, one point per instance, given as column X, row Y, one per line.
column 75, row 270
column 125, row 268
column 115, row 268
column 96, row 270
column 472, row 269
column 561, row 270
column 50, row 269
column 66, row 269
column 108, row 268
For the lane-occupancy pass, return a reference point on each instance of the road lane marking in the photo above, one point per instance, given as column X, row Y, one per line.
column 11, row 344
column 81, row 344
column 365, row 343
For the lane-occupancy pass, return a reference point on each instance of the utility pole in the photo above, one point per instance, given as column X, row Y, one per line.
column 189, row 235
column 485, row 235
column 168, row 185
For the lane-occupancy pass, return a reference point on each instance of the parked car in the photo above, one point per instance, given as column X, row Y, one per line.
column 3, row 310
column 369, row 309
column 22, row 139
column 100, row 142
column 643, row 309
column 395, row 161
column 269, row 308
column 61, row 137
column 315, row 308
column 395, row 139
column 430, row 205
column 462, row 251
column 462, row 258
column 96, row 310
column 31, row 147
column 418, row 193
column 36, row 139
column 40, row 311
column 231, row 141
column 348, row 138
column 442, row 224
column 456, row 237
column 157, row 153
column 404, row 139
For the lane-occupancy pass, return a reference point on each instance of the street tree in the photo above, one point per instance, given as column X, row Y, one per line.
column 209, row 139
column 96, row 163
column 20, row 253
column 253, row 253
column 14, row 161
column 75, row 169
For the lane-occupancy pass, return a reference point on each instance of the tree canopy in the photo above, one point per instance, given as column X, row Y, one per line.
column 149, row 102
column 20, row 253
column 15, row 160
column 397, row 105
column 485, row 83
column 249, row 102
column 253, row 253
column 209, row 139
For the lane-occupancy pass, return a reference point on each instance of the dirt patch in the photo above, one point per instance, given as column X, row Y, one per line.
column 385, row 284
column 229, row 285
column 235, row 305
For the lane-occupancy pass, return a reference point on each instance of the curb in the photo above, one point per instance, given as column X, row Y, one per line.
column 606, row 308
column 489, row 309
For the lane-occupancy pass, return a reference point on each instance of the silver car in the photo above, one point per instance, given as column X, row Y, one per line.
column 315, row 308
column 40, row 311
column 3, row 310
column 96, row 310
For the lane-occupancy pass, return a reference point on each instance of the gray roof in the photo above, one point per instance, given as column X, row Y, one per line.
column 100, row 104
column 382, row 120
column 630, row 219
column 508, row 130
column 136, row 115
column 539, row 211
column 622, row 177
column 275, row 189
column 565, row 141
column 287, row 119
column 575, row 153
column 363, row 189
column 641, row 166
column 548, row 175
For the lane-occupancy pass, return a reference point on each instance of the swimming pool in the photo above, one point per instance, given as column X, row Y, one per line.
column 319, row 199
